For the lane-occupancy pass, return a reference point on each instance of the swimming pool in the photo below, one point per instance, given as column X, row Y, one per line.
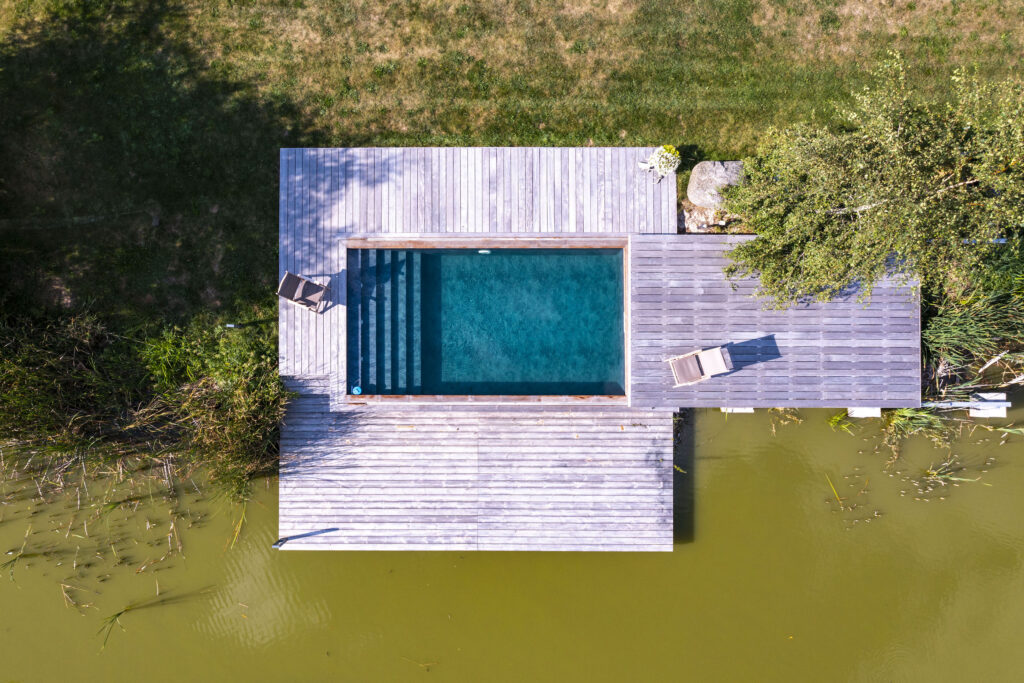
column 495, row 321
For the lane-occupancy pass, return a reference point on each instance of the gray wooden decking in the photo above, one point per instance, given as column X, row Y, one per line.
column 327, row 195
column 835, row 355
column 403, row 475
column 458, row 477
column 474, row 478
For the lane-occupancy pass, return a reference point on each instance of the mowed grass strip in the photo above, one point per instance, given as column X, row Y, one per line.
column 707, row 73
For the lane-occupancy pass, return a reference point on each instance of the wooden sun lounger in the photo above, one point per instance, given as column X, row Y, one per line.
column 302, row 291
column 698, row 365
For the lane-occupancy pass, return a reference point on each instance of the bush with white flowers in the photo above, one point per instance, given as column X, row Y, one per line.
column 663, row 160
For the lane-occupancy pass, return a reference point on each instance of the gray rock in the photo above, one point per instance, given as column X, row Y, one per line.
column 708, row 177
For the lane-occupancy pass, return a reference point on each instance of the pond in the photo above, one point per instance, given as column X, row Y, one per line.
column 809, row 559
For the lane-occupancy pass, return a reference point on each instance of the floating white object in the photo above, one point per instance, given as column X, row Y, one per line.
column 980, row 399
column 864, row 412
column 737, row 410
column 483, row 251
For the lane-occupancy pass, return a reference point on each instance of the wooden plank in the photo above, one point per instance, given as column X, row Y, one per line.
column 283, row 251
column 479, row 191
column 462, row 173
column 305, row 212
column 397, row 488
column 481, row 241
column 818, row 355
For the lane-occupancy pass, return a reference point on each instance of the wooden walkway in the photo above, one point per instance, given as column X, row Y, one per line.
column 836, row 355
column 474, row 478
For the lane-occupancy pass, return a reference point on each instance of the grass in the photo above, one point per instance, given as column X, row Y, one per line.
column 900, row 423
column 978, row 327
column 138, row 157
column 840, row 422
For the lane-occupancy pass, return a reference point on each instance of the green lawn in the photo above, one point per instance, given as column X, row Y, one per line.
column 163, row 119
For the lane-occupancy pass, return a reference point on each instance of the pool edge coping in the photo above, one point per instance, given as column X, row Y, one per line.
column 443, row 241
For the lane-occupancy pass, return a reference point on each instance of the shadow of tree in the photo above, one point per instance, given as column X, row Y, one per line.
column 135, row 178
column 689, row 156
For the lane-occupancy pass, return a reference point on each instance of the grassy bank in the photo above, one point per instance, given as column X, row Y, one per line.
column 138, row 154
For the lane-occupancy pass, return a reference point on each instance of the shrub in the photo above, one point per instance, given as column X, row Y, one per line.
column 66, row 380
column 220, row 398
column 909, row 186
column 200, row 396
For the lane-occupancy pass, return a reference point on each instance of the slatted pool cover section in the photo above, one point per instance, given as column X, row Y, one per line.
column 841, row 354
column 574, row 476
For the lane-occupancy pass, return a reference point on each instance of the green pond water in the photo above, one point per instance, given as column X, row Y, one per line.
column 777, row 583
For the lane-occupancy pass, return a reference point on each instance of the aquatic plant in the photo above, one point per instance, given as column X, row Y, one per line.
column 114, row 619
column 839, row 422
column 780, row 417
column 901, row 423
column 948, row 472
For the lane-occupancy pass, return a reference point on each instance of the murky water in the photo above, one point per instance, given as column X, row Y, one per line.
column 780, row 582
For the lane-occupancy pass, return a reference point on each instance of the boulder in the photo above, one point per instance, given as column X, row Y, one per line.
column 708, row 177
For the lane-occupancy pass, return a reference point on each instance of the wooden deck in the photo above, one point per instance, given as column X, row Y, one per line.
column 474, row 477
column 524, row 474
column 836, row 355
column 330, row 195
column 401, row 476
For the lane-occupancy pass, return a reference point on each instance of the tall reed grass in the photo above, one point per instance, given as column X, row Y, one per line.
column 202, row 395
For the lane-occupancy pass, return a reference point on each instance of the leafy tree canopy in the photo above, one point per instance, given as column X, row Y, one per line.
column 907, row 186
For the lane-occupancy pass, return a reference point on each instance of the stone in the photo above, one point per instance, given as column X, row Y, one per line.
column 708, row 177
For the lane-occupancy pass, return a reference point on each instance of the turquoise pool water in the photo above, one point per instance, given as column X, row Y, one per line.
column 508, row 321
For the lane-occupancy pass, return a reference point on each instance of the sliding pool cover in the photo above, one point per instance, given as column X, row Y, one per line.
column 485, row 322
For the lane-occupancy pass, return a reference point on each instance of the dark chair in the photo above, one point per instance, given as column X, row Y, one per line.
column 302, row 291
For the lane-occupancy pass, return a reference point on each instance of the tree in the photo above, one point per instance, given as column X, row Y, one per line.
column 905, row 187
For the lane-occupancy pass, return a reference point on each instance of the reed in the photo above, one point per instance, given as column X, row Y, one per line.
column 974, row 340
column 902, row 423
column 978, row 327
column 74, row 393
column 839, row 422
column 108, row 623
